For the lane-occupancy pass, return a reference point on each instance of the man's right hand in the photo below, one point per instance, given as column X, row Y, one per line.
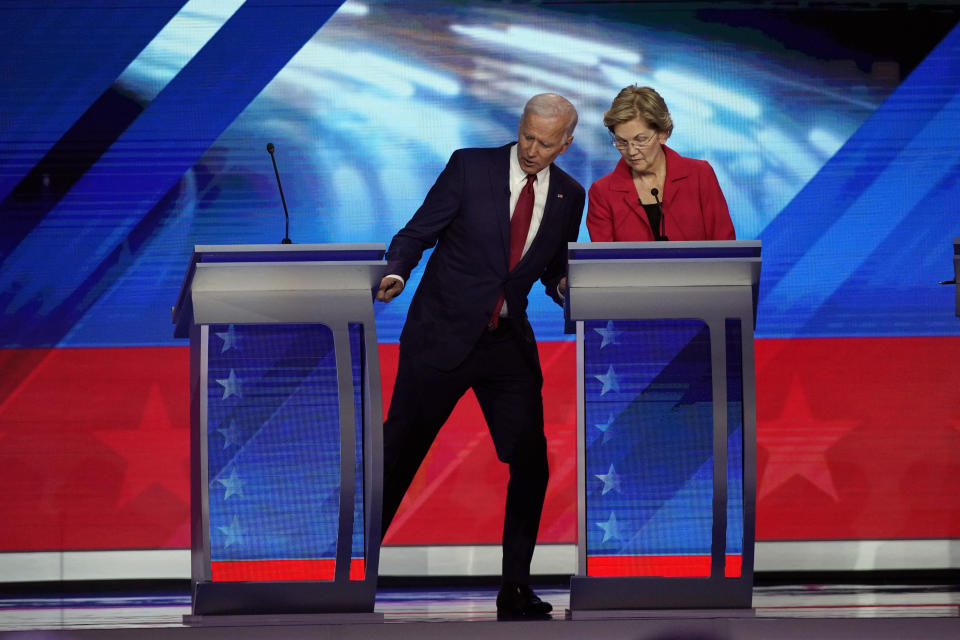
column 389, row 289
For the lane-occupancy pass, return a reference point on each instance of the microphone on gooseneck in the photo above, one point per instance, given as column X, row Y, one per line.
column 662, row 231
column 286, row 216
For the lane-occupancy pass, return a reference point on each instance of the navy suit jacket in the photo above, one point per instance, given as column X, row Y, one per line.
column 466, row 214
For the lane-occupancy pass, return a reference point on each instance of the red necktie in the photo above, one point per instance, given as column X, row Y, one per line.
column 519, row 227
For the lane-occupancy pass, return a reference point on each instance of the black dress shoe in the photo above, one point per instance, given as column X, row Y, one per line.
column 519, row 602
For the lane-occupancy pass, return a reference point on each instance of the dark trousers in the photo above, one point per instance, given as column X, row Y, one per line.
column 508, row 388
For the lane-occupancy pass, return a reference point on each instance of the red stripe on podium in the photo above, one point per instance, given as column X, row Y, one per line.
column 733, row 567
column 281, row 570
column 673, row 566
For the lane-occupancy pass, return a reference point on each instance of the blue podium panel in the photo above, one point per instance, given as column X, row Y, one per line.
column 357, row 359
column 733, row 560
column 649, row 450
column 285, row 438
column 273, row 442
column 666, row 423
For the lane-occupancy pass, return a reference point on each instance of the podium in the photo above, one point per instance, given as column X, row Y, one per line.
column 666, row 441
column 956, row 273
column 285, row 428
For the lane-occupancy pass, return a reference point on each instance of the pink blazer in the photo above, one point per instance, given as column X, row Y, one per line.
column 693, row 205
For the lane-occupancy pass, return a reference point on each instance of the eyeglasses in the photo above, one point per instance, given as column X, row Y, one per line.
column 638, row 142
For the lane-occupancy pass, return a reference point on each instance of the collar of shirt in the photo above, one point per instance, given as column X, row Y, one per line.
column 540, row 187
column 518, row 178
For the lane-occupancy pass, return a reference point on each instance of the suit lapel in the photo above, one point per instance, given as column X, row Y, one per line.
column 624, row 184
column 632, row 201
column 499, row 176
column 677, row 170
column 552, row 212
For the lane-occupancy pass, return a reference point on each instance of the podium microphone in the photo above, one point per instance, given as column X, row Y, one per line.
column 662, row 232
column 286, row 216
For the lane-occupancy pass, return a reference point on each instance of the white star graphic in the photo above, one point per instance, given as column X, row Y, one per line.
column 231, row 385
column 609, row 380
column 231, row 435
column 609, row 334
column 233, row 532
column 610, row 528
column 605, row 426
column 611, row 480
column 230, row 339
column 233, row 484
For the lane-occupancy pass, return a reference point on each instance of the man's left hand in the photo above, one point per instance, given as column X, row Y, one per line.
column 389, row 289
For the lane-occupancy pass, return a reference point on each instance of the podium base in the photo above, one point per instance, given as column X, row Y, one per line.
column 660, row 594
column 280, row 619
column 658, row 614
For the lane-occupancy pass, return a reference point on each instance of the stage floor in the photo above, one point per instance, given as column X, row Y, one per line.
column 822, row 612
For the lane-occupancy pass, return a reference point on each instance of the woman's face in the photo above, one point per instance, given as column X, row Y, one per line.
column 639, row 144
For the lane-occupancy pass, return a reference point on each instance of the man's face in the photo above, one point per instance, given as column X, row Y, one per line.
column 541, row 140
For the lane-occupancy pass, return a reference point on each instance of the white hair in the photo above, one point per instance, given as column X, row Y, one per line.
column 551, row 105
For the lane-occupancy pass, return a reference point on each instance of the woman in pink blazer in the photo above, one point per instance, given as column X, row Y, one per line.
column 654, row 193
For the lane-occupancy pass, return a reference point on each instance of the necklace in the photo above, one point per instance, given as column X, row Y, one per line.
column 645, row 185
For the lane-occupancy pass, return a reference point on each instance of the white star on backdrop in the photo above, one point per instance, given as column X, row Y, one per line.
column 234, row 533
column 609, row 334
column 230, row 339
column 233, row 484
column 231, row 385
column 611, row 480
column 610, row 528
column 231, row 435
column 605, row 426
column 609, row 380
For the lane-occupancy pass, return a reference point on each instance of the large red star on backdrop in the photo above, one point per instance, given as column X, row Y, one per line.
column 797, row 442
column 149, row 450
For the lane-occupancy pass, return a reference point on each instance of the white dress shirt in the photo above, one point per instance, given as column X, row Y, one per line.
column 518, row 179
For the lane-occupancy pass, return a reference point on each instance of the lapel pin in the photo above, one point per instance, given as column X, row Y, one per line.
column 559, row 195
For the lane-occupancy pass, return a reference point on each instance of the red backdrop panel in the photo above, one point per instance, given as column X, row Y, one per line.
column 857, row 439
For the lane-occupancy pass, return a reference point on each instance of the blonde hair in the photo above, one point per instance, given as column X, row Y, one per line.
column 639, row 102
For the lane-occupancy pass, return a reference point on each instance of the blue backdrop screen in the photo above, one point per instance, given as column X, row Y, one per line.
column 151, row 138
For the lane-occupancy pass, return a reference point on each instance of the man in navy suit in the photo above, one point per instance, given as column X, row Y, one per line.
column 467, row 325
